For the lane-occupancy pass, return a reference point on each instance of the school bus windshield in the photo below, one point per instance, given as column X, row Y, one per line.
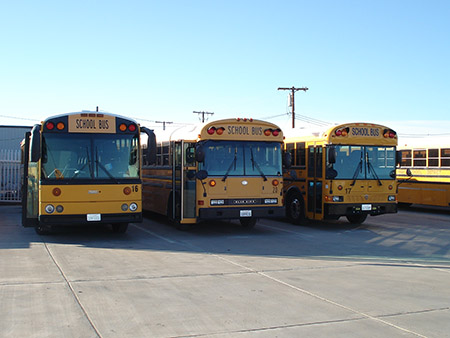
column 237, row 158
column 89, row 156
column 364, row 162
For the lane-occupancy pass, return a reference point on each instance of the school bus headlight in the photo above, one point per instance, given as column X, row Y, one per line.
column 217, row 202
column 334, row 198
column 124, row 207
column 391, row 198
column 59, row 208
column 49, row 209
column 133, row 207
column 270, row 200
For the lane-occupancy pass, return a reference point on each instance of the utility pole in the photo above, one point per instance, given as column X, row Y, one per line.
column 293, row 90
column 164, row 123
column 203, row 114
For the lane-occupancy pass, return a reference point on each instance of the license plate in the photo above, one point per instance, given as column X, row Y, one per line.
column 366, row 207
column 94, row 217
column 245, row 213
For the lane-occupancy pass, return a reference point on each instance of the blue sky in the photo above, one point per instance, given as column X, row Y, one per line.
column 363, row 61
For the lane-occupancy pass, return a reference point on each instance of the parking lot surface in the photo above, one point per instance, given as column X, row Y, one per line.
column 389, row 277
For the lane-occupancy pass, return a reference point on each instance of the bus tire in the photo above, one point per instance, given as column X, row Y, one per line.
column 357, row 219
column 295, row 208
column 249, row 222
column 43, row 229
column 119, row 228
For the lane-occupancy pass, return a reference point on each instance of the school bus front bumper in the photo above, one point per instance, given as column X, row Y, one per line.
column 372, row 209
column 241, row 212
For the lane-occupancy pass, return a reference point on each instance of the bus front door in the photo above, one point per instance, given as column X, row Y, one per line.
column 314, row 181
column 30, row 188
column 184, row 183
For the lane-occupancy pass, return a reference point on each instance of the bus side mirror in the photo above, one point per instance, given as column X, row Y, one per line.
column 190, row 155
column 35, row 146
column 331, row 155
column 199, row 153
column 150, row 153
column 398, row 158
column 287, row 160
column 201, row 175
column 331, row 173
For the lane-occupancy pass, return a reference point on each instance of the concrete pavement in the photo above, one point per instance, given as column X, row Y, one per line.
column 383, row 279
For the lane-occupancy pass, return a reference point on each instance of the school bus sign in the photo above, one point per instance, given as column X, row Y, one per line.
column 91, row 123
column 241, row 129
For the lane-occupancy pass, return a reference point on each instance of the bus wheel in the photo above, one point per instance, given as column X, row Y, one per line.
column 119, row 228
column 249, row 222
column 43, row 229
column 357, row 219
column 295, row 209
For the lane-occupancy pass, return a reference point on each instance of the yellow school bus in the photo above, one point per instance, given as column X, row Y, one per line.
column 424, row 175
column 82, row 168
column 226, row 169
column 348, row 170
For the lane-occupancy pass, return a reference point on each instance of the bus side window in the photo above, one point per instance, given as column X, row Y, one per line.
column 420, row 158
column 290, row 150
column 445, row 157
column 300, row 155
column 406, row 158
column 433, row 157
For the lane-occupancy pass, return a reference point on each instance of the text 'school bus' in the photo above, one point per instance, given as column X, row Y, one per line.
column 424, row 175
column 349, row 170
column 229, row 169
column 82, row 168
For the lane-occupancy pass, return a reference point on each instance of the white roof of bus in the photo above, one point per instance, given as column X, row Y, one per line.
column 185, row 132
column 424, row 142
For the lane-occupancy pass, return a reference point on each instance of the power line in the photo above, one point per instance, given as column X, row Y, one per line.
column 312, row 120
column 18, row 118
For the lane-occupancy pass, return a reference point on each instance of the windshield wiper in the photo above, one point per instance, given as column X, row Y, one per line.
column 88, row 162
column 255, row 164
column 103, row 167
column 370, row 167
column 359, row 167
column 231, row 165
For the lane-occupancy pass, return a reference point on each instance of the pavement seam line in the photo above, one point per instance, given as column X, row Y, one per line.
column 156, row 235
column 324, row 299
column 72, row 291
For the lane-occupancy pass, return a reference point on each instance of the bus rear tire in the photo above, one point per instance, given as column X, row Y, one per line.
column 357, row 219
column 248, row 222
column 43, row 229
column 119, row 228
column 295, row 209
